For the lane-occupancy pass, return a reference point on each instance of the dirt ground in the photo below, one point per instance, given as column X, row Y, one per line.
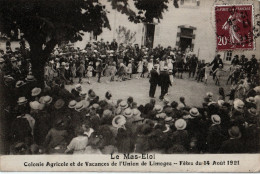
column 193, row 91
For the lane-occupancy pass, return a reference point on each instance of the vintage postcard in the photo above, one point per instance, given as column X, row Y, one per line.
column 130, row 85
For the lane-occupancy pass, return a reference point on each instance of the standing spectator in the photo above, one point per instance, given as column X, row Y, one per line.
column 154, row 79
column 164, row 82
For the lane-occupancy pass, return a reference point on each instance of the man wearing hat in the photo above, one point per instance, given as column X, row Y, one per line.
column 235, row 60
column 215, row 136
column 154, row 79
column 164, row 82
column 234, row 144
column 216, row 62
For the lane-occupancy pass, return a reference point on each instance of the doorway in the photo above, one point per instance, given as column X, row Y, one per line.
column 149, row 37
column 185, row 42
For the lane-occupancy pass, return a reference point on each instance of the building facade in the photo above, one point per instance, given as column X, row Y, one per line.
column 192, row 24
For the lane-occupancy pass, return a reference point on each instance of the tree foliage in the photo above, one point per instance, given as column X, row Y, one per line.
column 149, row 10
column 46, row 23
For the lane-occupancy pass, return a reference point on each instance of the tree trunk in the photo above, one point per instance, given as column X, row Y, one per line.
column 38, row 60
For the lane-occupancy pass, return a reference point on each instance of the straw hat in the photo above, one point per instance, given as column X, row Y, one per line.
column 118, row 121
column 19, row 83
column 2, row 60
column 216, row 119
column 128, row 113
column 137, row 115
column 221, row 102
column 30, row 78
column 36, row 91
column 180, row 124
column 47, row 99
column 21, row 100
column 95, row 106
column 123, row 105
column 239, row 104
column 250, row 100
column 194, row 112
column 34, row 105
column 72, row 104
column 209, row 94
column 158, row 108
column 252, row 111
column 78, row 87
column 79, row 106
column 107, row 113
column 166, row 100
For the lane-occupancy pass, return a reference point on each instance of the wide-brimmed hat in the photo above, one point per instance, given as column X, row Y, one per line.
column 252, row 111
column 215, row 119
column 34, row 105
column 123, row 104
column 19, row 83
column 221, row 102
column 30, row 78
column 250, row 100
column 136, row 112
column 13, row 59
column 128, row 113
column 118, row 121
column 209, row 94
column 107, row 113
column 2, row 60
column 158, row 108
column 136, row 115
column 47, row 99
column 72, row 104
column 95, row 106
column 257, row 89
column 82, row 94
column 79, row 106
column 180, row 124
column 238, row 104
column 194, row 112
column 165, row 68
column 21, row 100
column 168, row 119
column 166, row 100
column 41, row 99
column 234, row 132
column 92, row 95
column 59, row 104
column 78, row 87
column 36, row 91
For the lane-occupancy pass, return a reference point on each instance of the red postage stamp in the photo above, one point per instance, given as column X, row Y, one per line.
column 234, row 27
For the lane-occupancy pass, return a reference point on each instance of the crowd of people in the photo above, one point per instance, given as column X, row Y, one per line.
column 53, row 120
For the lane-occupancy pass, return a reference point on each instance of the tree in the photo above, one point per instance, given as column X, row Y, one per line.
column 46, row 23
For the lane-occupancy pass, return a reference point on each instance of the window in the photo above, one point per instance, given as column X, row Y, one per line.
column 190, row 3
column 229, row 56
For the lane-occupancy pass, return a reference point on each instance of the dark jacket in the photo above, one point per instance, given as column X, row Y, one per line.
column 232, row 146
column 154, row 77
column 164, row 79
column 216, row 63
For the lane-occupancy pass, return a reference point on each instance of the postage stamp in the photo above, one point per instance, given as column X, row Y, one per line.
column 234, row 27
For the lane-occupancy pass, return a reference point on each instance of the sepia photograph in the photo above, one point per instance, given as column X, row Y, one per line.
column 129, row 83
